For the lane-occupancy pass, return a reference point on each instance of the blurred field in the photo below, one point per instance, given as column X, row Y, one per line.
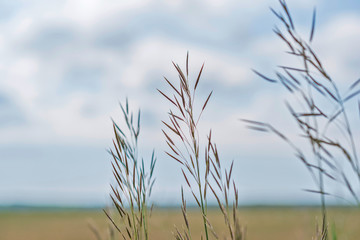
column 262, row 223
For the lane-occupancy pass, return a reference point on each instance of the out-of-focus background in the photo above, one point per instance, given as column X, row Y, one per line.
column 66, row 65
column 261, row 223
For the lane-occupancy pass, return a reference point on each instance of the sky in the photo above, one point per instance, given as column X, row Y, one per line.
column 66, row 65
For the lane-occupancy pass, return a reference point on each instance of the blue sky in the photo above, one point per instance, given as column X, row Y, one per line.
column 65, row 65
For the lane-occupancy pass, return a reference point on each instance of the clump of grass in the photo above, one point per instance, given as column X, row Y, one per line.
column 134, row 183
column 202, row 172
column 320, row 110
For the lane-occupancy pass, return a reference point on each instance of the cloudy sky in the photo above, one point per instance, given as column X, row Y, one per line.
column 65, row 66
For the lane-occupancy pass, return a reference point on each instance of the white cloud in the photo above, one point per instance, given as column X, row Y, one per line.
column 337, row 42
column 86, row 13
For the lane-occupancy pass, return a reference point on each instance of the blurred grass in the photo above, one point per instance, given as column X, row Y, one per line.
column 262, row 223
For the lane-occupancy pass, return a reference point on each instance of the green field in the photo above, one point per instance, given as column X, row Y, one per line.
column 262, row 223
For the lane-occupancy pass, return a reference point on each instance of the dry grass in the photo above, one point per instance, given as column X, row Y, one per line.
column 262, row 223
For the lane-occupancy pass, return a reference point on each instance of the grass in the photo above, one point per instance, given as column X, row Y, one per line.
column 202, row 170
column 320, row 110
column 262, row 223
column 325, row 144
column 133, row 183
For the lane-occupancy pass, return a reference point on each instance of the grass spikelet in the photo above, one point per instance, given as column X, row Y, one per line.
column 183, row 139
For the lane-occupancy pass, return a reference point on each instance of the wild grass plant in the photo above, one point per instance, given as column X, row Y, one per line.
column 321, row 112
column 133, row 183
column 202, row 170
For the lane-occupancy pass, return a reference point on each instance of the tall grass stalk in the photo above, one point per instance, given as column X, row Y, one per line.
column 133, row 183
column 202, row 172
column 320, row 110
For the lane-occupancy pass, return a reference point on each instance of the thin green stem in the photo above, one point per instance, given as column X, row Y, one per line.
column 203, row 212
